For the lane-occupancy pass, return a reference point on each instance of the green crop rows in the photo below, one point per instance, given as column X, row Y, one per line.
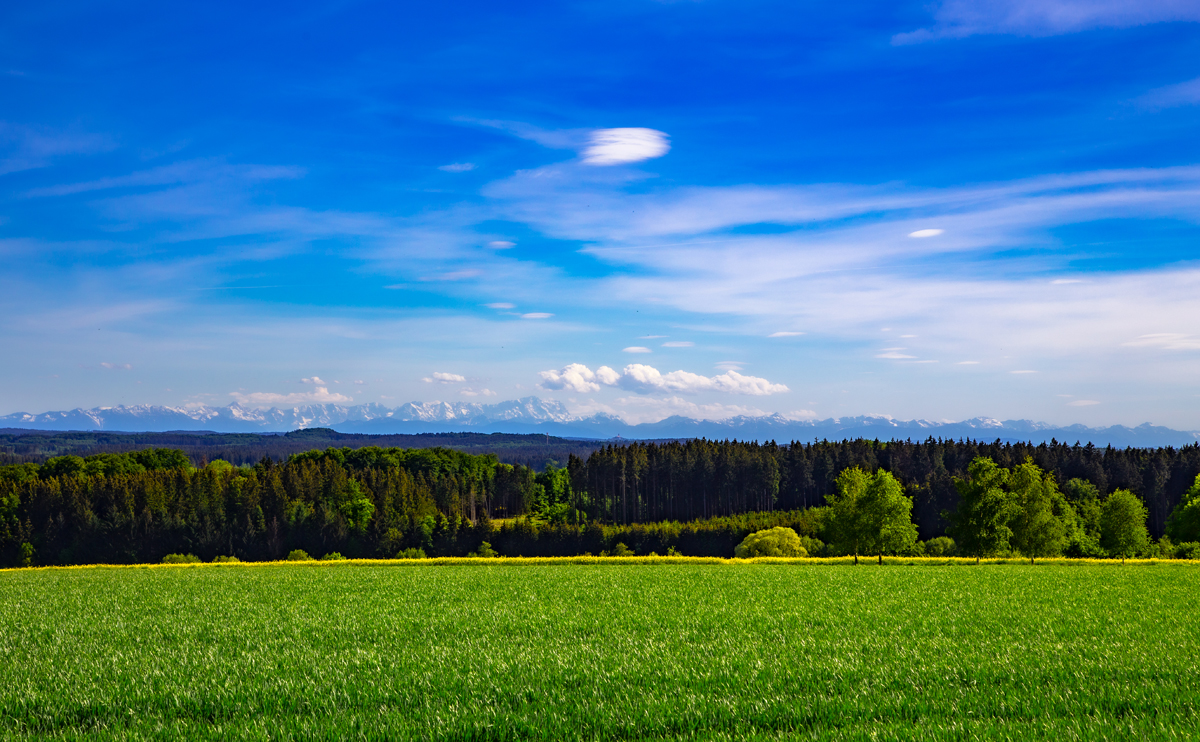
column 602, row 652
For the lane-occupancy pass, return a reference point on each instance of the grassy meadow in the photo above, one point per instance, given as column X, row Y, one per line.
column 601, row 651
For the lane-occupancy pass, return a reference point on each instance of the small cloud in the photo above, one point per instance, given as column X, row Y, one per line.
column 894, row 355
column 677, row 344
column 785, row 334
column 1023, row 371
column 314, row 380
column 729, row 366
column 1082, row 403
column 967, row 363
column 1068, row 396
column 319, row 395
column 1063, row 281
column 1180, row 94
column 500, row 305
column 635, row 349
column 907, row 336
column 1166, row 341
column 116, row 366
column 457, row 167
column 444, row 378
column 501, row 244
column 480, row 393
column 623, row 146
column 360, row 382
column 453, row 276
column 926, row 233
column 577, row 377
column 651, row 337
column 537, row 315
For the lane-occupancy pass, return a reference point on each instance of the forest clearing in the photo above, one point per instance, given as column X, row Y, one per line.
column 602, row 650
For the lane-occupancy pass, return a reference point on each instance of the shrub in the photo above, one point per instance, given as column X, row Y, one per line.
column 333, row 556
column 672, row 551
column 1188, row 550
column 942, row 546
column 486, row 551
column 298, row 555
column 1084, row 546
column 620, row 550
column 225, row 559
column 181, row 559
column 416, row 553
column 814, row 546
column 776, row 542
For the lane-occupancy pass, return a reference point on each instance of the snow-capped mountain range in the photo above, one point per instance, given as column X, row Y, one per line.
column 535, row 415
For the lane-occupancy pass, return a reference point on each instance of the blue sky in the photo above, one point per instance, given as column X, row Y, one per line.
column 646, row 208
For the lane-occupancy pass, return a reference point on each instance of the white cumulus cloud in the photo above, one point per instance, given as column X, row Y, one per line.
column 457, row 167
column 621, row 146
column 577, row 377
column 444, row 378
column 643, row 379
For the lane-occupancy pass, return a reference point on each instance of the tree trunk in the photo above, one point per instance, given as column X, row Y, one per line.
column 881, row 560
column 856, row 558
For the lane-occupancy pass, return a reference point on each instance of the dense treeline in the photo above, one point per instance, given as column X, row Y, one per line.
column 532, row 450
column 700, row 479
column 697, row 497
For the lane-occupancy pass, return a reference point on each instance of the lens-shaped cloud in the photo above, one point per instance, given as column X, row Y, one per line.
column 622, row 146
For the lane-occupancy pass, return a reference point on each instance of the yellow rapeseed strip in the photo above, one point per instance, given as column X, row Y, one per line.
column 864, row 561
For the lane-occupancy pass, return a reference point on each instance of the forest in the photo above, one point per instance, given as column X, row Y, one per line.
column 21, row 446
column 696, row 497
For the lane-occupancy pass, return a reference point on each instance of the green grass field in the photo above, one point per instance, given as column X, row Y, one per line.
column 343, row 651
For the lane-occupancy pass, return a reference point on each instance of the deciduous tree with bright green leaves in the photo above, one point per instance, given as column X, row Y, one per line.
column 870, row 514
column 1123, row 524
column 1037, row 530
column 1184, row 523
column 980, row 525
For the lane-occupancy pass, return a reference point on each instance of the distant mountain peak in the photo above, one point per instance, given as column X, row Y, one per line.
column 533, row 414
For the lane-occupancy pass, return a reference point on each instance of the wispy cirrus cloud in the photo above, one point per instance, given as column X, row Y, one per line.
column 956, row 19
column 1185, row 93
column 28, row 147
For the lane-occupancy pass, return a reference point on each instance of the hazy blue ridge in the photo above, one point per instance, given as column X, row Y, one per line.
column 534, row 415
